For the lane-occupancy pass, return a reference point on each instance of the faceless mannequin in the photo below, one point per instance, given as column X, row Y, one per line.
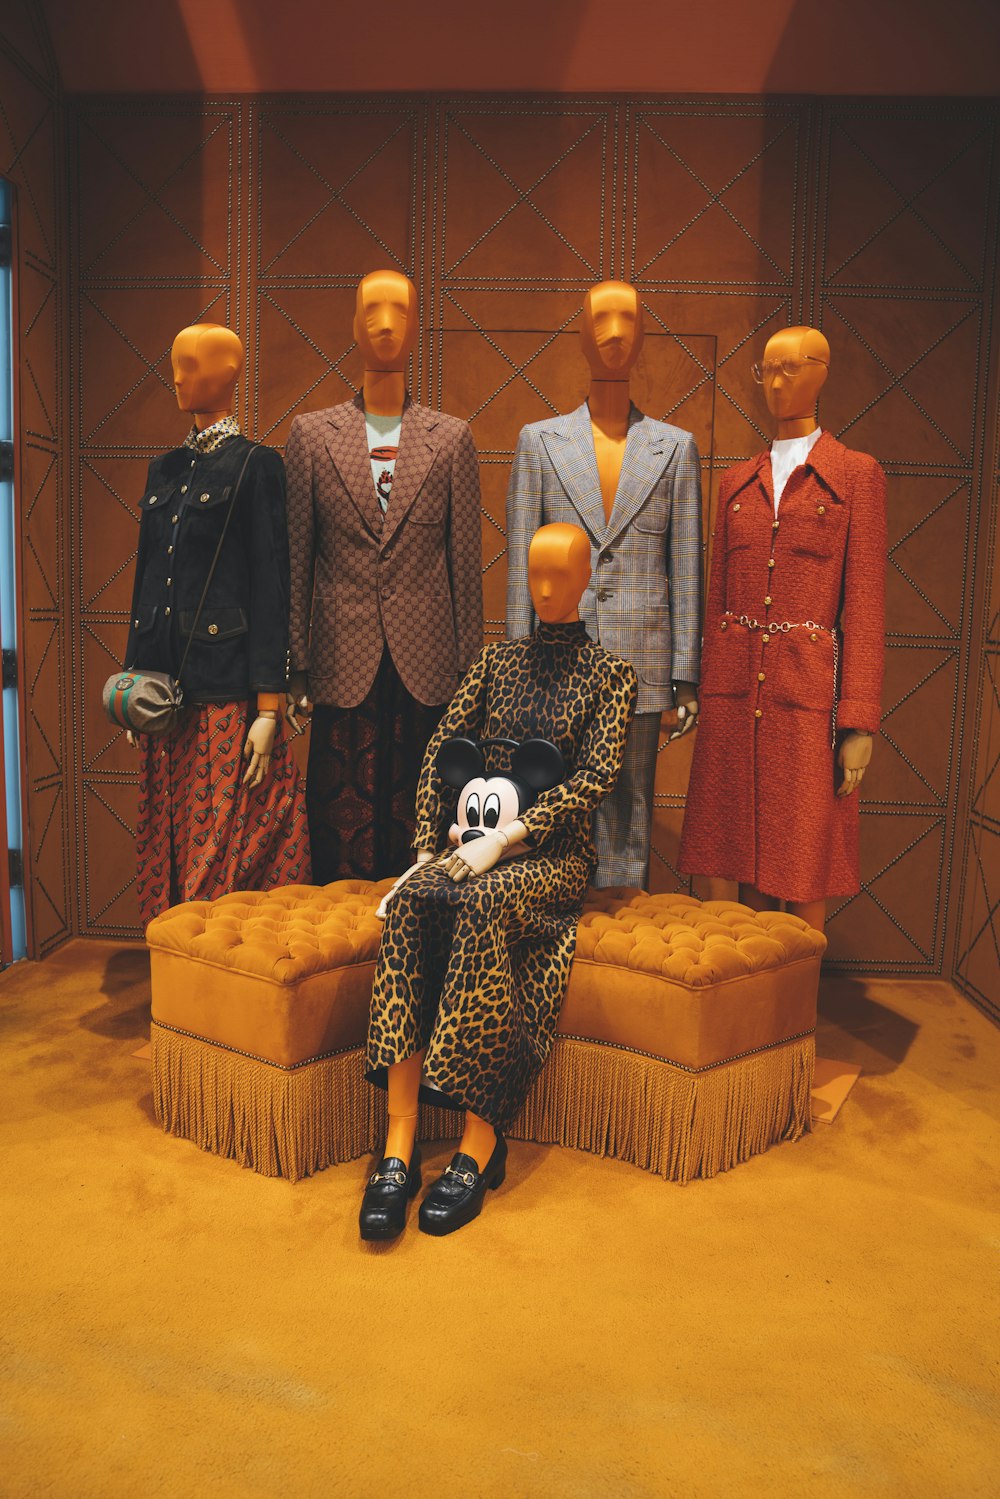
column 611, row 339
column 793, row 653
column 558, row 572
column 207, row 360
column 792, row 401
column 385, row 329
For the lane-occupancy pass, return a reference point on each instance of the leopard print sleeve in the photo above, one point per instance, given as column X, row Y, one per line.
column 598, row 759
column 466, row 714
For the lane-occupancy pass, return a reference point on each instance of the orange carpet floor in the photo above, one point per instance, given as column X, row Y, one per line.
column 821, row 1321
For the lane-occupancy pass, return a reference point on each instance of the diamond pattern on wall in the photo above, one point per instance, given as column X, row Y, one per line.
column 906, row 204
column 714, row 189
column 524, row 194
column 336, row 190
column 153, row 208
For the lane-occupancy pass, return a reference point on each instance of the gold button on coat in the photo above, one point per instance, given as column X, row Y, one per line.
column 765, row 639
column 175, row 519
column 724, row 625
column 770, row 561
column 760, row 676
column 767, row 598
column 204, row 498
column 736, row 506
column 757, row 713
column 213, row 629
column 820, row 509
column 814, row 637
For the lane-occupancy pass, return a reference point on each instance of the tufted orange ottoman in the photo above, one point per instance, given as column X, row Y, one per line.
column 685, row 1042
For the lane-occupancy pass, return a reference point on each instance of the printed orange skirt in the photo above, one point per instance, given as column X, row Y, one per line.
column 200, row 832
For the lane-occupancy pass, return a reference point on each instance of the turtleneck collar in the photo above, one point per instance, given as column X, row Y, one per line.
column 566, row 634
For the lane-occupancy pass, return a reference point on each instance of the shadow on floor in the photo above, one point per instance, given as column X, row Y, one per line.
column 125, row 985
column 853, row 1027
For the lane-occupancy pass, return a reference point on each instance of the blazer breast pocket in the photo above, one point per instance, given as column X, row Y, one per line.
column 654, row 517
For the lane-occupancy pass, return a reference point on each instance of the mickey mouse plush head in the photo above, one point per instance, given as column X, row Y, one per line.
column 489, row 801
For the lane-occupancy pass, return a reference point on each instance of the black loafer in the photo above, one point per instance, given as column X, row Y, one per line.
column 389, row 1190
column 457, row 1195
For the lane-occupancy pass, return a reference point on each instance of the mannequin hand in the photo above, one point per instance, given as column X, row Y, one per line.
column 853, row 758
column 133, row 741
column 296, row 699
column 424, row 856
column 260, row 743
column 475, row 857
column 686, row 697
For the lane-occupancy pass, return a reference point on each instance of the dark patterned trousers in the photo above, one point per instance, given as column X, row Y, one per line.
column 361, row 784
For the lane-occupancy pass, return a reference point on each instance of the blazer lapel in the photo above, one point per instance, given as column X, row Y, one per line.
column 647, row 453
column 347, row 445
column 413, row 460
column 569, row 443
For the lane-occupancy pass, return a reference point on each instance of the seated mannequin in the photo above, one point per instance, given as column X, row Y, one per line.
column 476, row 951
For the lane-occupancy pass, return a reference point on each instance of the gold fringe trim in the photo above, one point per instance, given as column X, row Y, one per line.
column 678, row 1124
column 277, row 1122
column 591, row 1097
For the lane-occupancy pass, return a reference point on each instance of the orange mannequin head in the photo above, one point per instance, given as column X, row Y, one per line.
column 795, row 366
column 385, row 320
column 558, row 572
column 206, row 360
column 612, row 332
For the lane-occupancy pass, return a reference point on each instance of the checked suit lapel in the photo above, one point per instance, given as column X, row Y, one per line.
column 347, row 445
column 413, row 461
column 647, row 453
column 569, row 443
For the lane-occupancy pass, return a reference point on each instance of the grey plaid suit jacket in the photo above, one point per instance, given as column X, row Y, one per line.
column 643, row 601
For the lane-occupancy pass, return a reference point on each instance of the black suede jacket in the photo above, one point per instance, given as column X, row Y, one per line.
column 241, row 643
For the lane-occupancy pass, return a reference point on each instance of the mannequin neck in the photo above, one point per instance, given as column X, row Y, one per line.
column 204, row 419
column 384, row 392
column 610, row 406
column 795, row 426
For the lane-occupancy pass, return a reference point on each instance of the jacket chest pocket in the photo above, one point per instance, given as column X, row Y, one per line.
column 739, row 525
column 215, row 625
column 816, row 528
column 207, row 499
column 654, row 517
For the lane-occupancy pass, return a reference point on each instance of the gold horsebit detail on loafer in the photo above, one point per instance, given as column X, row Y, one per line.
column 399, row 1177
column 468, row 1177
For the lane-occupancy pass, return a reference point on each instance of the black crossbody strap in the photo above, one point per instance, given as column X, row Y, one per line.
column 211, row 570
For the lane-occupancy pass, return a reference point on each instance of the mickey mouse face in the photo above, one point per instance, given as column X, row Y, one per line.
column 491, row 801
column 485, row 804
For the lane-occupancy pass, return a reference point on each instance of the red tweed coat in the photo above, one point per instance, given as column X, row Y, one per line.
column 761, row 805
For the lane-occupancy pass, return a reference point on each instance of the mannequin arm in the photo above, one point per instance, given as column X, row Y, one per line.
column 296, row 699
column 598, row 758
column 525, row 513
column 686, row 698
column 853, row 757
column 302, row 552
column 863, row 613
column 684, row 565
column 465, row 550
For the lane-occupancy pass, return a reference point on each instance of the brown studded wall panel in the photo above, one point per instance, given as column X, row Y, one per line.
column 734, row 217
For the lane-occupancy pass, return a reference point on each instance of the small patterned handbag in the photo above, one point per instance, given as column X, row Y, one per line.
column 150, row 702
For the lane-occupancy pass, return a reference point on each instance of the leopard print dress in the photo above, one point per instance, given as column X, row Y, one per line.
column 476, row 972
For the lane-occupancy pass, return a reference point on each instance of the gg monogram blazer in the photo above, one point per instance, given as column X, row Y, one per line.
column 410, row 581
column 643, row 602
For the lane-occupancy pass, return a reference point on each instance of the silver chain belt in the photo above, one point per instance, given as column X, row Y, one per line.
column 804, row 624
